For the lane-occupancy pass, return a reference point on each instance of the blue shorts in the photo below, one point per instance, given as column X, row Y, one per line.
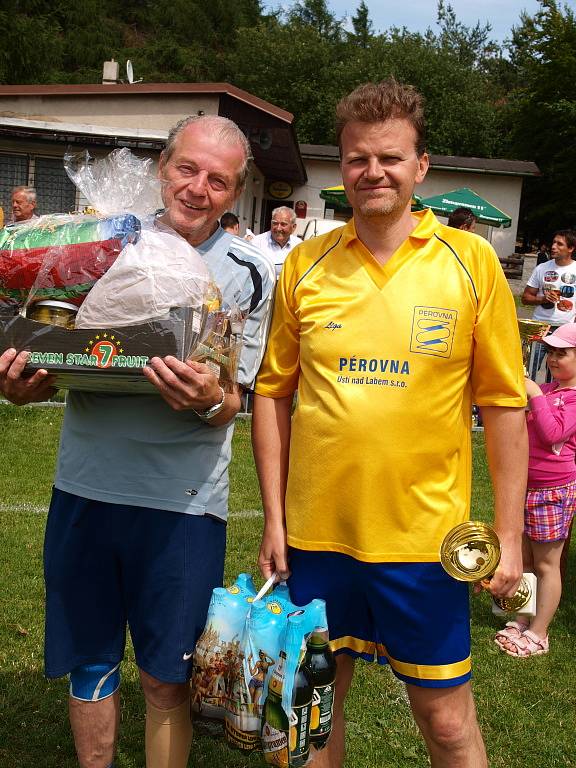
column 412, row 616
column 107, row 566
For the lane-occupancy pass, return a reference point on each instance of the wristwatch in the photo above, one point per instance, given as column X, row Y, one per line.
column 209, row 413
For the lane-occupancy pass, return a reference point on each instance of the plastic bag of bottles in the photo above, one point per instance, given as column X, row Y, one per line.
column 297, row 713
column 263, row 665
column 217, row 657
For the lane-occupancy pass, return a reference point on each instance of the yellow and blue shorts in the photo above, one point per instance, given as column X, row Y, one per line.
column 412, row 616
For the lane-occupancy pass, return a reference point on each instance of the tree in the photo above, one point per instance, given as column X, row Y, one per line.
column 292, row 65
column 471, row 45
column 31, row 51
column 315, row 14
column 542, row 114
column 362, row 25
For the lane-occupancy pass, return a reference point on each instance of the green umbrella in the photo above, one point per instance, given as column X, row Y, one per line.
column 337, row 197
column 485, row 212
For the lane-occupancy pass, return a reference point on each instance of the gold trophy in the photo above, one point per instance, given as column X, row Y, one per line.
column 530, row 331
column 471, row 552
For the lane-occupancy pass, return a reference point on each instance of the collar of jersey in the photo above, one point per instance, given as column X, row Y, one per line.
column 424, row 230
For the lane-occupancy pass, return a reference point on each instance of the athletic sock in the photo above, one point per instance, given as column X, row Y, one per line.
column 168, row 736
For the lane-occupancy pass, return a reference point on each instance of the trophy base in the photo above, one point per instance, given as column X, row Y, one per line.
column 527, row 610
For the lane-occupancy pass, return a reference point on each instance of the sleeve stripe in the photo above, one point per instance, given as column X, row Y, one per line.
column 256, row 280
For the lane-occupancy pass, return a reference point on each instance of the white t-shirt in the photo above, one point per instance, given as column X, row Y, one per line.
column 549, row 276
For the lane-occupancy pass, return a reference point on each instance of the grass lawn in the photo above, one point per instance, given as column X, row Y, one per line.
column 526, row 707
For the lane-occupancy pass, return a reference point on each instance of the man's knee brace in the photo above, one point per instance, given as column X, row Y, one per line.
column 93, row 682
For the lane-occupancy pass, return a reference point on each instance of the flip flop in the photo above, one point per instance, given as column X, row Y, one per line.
column 528, row 644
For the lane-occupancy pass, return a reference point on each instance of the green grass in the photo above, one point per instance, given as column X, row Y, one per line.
column 526, row 707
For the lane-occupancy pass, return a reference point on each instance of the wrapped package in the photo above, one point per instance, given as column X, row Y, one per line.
column 264, row 666
column 59, row 256
column 119, row 181
column 151, row 276
column 94, row 297
column 217, row 653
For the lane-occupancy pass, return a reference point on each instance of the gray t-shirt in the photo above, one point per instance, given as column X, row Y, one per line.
column 135, row 449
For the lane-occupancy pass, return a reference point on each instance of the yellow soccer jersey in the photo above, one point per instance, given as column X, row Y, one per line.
column 386, row 361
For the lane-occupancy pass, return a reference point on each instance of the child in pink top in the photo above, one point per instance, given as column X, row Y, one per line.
column 551, row 495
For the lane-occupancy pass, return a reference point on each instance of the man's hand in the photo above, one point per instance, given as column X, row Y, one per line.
column 508, row 575
column 507, row 452
column 184, row 385
column 20, row 391
column 551, row 295
column 273, row 557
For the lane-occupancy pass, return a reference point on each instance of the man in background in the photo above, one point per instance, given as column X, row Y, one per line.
column 462, row 218
column 280, row 239
column 23, row 203
column 551, row 290
column 230, row 223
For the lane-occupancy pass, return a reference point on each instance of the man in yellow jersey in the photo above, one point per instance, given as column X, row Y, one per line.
column 390, row 328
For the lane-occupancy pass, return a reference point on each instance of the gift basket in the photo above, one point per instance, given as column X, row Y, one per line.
column 264, row 668
column 94, row 296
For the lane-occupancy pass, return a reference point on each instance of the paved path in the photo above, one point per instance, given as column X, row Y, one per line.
column 517, row 285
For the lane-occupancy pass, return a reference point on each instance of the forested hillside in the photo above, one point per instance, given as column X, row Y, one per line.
column 512, row 100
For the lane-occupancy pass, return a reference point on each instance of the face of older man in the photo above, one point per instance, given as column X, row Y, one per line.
column 200, row 182
column 22, row 208
column 282, row 227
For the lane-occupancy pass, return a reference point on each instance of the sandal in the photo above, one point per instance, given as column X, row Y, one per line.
column 528, row 644
column 512, row 631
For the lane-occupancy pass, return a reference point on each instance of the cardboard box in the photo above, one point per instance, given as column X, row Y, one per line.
column 104, row 360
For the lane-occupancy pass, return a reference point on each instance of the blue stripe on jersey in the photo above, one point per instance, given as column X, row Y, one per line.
column 311, row 267
column 459, row 262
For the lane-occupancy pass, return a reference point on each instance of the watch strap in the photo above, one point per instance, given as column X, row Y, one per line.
column 209, row 413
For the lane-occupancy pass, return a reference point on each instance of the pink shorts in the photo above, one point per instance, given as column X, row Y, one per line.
column 549, row 512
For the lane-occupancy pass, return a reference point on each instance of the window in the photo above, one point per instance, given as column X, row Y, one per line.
column 55, row 192
column 13, row 173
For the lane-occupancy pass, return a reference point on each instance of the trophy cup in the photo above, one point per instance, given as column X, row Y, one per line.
column 530, row 331
column 471, row 552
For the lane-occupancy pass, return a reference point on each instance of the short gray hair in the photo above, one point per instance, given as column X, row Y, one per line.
column 225, row 130
column 30, row 193
column 284, row 209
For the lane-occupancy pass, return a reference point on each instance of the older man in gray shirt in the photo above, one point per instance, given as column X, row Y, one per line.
column 136, row 529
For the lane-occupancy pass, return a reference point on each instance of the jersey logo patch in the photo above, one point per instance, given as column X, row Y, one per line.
column 433, row 331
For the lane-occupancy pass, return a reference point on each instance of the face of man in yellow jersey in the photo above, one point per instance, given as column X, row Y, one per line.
column 380, row 166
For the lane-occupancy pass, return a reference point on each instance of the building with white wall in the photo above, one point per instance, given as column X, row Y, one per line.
column 39, row 123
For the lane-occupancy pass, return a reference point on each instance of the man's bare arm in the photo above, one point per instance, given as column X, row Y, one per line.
column 271, row 425
column 532, row 297
column 507, row 450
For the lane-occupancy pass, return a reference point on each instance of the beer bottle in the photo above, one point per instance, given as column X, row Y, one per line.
column 299, row 743
column 321, row 666
column 275, row 725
